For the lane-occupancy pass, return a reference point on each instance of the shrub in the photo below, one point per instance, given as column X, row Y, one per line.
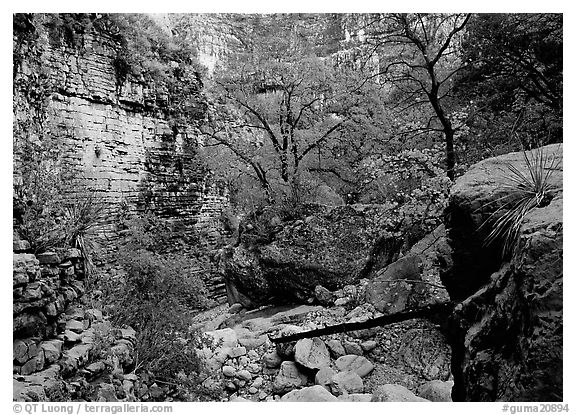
column 157, row 296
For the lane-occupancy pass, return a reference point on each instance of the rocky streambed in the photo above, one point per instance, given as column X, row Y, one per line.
column 408, row 361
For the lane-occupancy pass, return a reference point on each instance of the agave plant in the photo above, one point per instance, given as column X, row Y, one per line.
column 528, row 189
column 82, row 215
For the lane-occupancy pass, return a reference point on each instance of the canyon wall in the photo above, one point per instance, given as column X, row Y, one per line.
column 114, row 131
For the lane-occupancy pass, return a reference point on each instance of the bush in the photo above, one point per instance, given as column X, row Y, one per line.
column 157, row 296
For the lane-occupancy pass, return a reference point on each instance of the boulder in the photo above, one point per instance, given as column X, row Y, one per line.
column 52, row 350
column 368, row 345
column 223, row 338
column 353, row 363
column 286, row 350
column 352, row 348
column 394, row 393
column 324, row 296
column 507, row 333
column 311, row 353
column 356, row 397
column 393, row 288
column 436, row 391
column 289, row 377
column 237, row 351
column 310, row 394
column 272, row 360
column 324, row 377
column 346, row 382
column 426, row 352
column 336, row 348
column 228, row 371
column 334, row 247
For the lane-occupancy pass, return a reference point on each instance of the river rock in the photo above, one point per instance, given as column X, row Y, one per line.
column 346, row 382
column 228, row 371
column 353, row 363
column 272, row 359
column 289, row 377
column 352, row 348
column 336, row 348
column 311, row 353
column 368, row 345
column 324, row 377
column 244, row 375
column 238, row 351
column 394, row 393
column 310, row 394
column 436, row 391
column 356, row 397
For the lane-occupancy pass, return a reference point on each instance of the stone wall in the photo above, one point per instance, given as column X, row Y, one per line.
column 65, row 349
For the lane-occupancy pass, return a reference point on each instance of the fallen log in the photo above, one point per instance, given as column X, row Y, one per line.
column 429, row 311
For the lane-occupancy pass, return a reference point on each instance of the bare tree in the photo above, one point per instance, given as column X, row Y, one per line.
column 419, row 56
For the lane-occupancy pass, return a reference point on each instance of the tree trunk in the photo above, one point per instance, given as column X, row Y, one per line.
column 438, row 311
column 447, row 128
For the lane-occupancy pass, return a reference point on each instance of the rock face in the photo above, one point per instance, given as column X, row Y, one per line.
column 330, row 246
column 114, row 129
column 507, row 333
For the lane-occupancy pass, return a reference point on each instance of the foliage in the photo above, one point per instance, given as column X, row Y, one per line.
column 157, row 297
column 530, row 187
column 276, row 105
column 413, row 183
column 421, row 56
column 514, row 79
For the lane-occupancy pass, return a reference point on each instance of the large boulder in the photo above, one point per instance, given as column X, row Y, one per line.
column 507, row 332
column 327, row 246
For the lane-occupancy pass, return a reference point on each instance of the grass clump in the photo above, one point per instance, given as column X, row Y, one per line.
column 529, row 188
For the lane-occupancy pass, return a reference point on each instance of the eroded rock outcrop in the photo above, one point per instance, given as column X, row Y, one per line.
column 507, row 339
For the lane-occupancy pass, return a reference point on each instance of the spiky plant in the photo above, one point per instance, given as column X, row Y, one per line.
column 528, row 189
column 82, row 215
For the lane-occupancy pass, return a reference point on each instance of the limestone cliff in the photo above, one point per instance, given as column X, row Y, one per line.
column 116, row 130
